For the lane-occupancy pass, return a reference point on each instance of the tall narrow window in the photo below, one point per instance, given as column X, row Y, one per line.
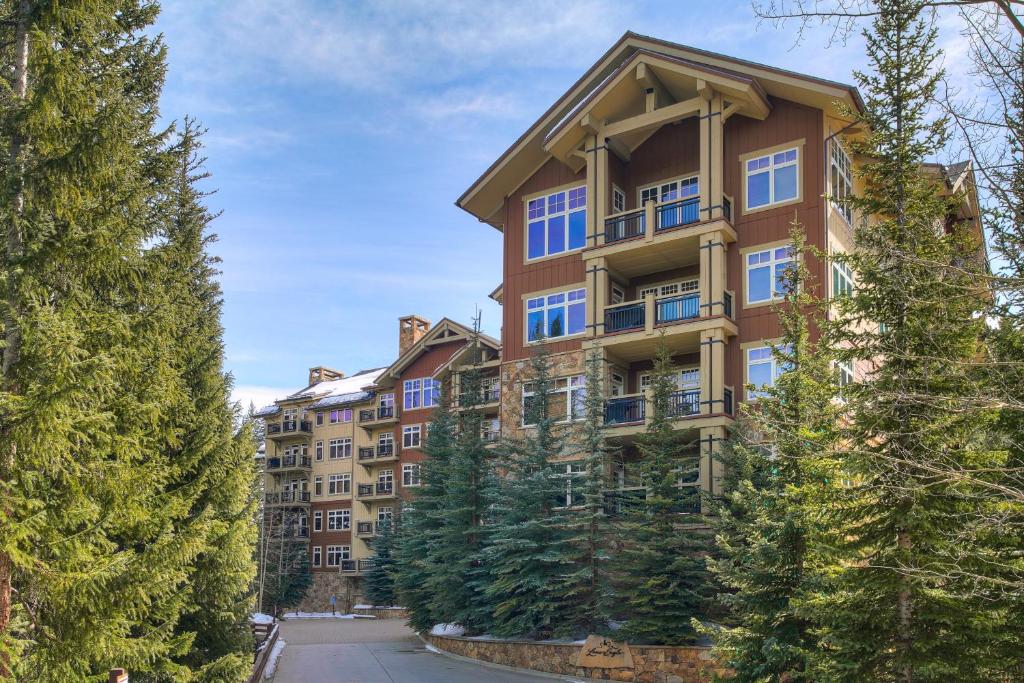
column 318, row 520
column 316, row 556
column 556, row 223
column 842, row 181
column 842, row 280
column 772, row 179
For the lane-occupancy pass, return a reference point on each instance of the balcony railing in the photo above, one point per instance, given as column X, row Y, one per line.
column 490, row 436
column 365, row 529
column 727, row 304
column 366, row 453
column 675, row 308
column 364, row 565
column 684, row 403
column 624, row 409
column 348, row 565
column 380, row 413
column 289, row 426
column 624, row 317
column 488, row 395
column 286, row 497
column 385, row 450
column 727, row 400
column 679, row 212
column 289, row 461
column 727, row 208
column 623, row 226
column 381, row 488
column 367, row 415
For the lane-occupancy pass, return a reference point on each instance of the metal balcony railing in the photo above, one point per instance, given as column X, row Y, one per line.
column 286, row 497
column 675, row 308
column 288, row 426
column 624, row 409
column 348, row 565
column 381, row 488
column 684, row 403
column 366, row 453
column 364, row 528
column 364, row 565
column 385, row 412
column 676, row 213
column 727, row 396
column 367, row 415
column 727, row 208
column 624, row 225
column 727, row 304
column 624, row 317
column 385, row 450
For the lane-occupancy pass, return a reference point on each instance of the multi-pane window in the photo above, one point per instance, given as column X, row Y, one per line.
column 762, row 370
column 420, row 393
column 411, row 474
column 618, row 200
column 385, row 443
column 766, row 273
column 385, row 479
column 339, row 520
column 342, row 415
column 316, row 556
column 386, row 403
column 772, row 179
column 339, row 483
column 845, row 369
column 569, row 497
column 842, row 280
column 340, row 448
column 384, row 513
column 842, row 181
column 319, row 419
column 561, row 314
column 337, row 553
column 556, row 223
column 687, row 379
column 684, row 188
column 411, row 436
column 318, row 485
column 671, row 288
column 490, row 429
column 318, row 448
column 318, row 520
column 566, row 398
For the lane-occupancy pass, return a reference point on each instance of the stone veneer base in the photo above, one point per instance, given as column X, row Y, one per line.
column 651, row 663
column 347, row 590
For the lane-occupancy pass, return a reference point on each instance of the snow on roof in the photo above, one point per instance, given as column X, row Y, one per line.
column 339, row 387
column 266, row 411
column 341, row 399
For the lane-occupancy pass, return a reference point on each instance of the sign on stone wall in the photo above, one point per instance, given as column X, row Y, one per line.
column 600, row 653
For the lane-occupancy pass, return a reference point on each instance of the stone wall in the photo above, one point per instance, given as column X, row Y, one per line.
column 347, row 589
column 382, row 612
column 651, row 664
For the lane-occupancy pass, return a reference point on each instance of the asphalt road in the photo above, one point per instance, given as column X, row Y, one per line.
column 373, row 651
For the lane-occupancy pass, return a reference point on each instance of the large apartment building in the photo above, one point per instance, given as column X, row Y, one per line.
column 653, row 201
column 341, row 453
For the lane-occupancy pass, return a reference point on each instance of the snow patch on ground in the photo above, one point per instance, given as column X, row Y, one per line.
column 325, row 615
column 268, row 673
column 431, row 648
column 453, row 630
column 377, row 607
column 260, row 618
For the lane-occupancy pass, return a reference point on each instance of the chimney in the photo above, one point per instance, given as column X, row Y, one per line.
column 322, row 374
column 411, row 329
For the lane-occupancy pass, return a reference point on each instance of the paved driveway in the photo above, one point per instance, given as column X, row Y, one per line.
column 373, row 651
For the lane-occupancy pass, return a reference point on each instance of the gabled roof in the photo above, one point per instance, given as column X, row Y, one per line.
column 485, row 197
column 338, row 387
column 443, row 332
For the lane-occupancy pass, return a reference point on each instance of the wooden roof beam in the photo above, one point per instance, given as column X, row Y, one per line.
column 653, row 119
column 656, row 93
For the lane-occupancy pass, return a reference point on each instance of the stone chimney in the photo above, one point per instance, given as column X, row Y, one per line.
column 323, row 374
column 411, row 329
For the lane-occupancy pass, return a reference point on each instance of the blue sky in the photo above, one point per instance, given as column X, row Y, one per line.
column 340, row 135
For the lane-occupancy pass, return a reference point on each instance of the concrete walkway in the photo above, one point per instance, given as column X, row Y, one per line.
column 373, row 651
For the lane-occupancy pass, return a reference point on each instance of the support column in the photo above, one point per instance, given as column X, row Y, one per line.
column 711, row 178
column 712, row 273
column 598, row 184
column 712, row 371
column 598, row 286
column 711, row 468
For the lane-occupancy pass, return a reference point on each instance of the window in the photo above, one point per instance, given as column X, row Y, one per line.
column 618, row 294
column 421, row 393
column 385, row 479
column 411, row 436
column 618, row 200
column 386, row 402
column 845, row 369
column 338, row 416
column 318, row 486
column 318, row 448
column 766, row 274
column 411, row 475
column 574, row 472
column 385, row 443
column 556, row 223
column 339, row 520
column 671, row 288
column 772, row 179
column 339, row 483
column 683, row 188
column 842, row 181
column 566, row 400
column 687, row 379
column 384, row 513
column 316, row 556
column 318, row 520
column 762, row 370
column 490, row 429
column 561, row 314
column 319, row 419
column 340, row 448
column 337, row 553
column 842, row 280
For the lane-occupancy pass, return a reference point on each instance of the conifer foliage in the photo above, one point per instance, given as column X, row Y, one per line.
column 379, row 583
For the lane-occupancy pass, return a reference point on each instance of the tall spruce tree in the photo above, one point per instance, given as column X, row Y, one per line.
column 379, row 584
column 662, row 582
column 777, row 467
column 904, row 587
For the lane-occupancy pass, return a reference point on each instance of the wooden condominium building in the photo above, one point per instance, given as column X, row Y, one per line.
column 342, row 453
column 654, row 200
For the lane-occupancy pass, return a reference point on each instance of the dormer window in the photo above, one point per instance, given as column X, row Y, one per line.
column 556, row 223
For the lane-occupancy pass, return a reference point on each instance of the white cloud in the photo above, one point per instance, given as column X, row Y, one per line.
column 259, row 396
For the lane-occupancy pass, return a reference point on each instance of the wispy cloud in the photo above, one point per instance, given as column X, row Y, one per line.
column 258, row 396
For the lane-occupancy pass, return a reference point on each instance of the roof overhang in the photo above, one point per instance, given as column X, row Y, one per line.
column 485, row 198
column 444, row 332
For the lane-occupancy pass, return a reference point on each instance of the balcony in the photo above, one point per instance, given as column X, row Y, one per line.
column 366, row 529
column 369, row 417
column 625, row 410
column 283, row 498
column 355, row 566
column 296, row 533
column 486, row 398
column 289, row 462
column 633, row 411
column 289, row 428
column 382, row 490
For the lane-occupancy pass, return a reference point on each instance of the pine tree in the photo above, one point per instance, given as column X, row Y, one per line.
column 379, row 583
column 905, row 585
column 774, row 463
column 661, row 576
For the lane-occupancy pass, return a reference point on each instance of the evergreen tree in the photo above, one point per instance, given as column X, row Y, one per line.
column 662, row 581
column 379, row 583
column 905, row 584
column 284, row 572
column 774, row 464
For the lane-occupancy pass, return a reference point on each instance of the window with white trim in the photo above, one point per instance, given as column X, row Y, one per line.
column 384, row 513
column 842, row 280
column 339, row 520
column 845, row 370
column 766, row 273
column 556, row 223
column 411, row 436
column 386, row 478
column 318, row 485
column 411, row 474
column 340, row 448
column 562, row 314
column 420, row 393
column 566, row 399
column 318, row 448
column 340, row 416
column 339, row 483
column 316, row 556
column 571, row 494
column 319, row 418
column 685, row 379
column 680, row 188
column 337, row 553
column 385, row 442
column 618, row 200
column 772, row 178
column 842, row 181
column 671, row 288
column 762, row 370
column 318, row 520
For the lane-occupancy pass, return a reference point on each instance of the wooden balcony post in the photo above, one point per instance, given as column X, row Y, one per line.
column 711, row 176
column 598, row 183
column 712, row 372
column 649, row 311
column 711, row 468
column 650, row 218
column 712, row 274
column 597, row 295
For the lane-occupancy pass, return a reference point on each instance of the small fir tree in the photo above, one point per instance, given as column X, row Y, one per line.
column 379, row 583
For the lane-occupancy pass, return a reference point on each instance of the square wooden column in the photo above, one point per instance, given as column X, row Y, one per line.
column 711, row 178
